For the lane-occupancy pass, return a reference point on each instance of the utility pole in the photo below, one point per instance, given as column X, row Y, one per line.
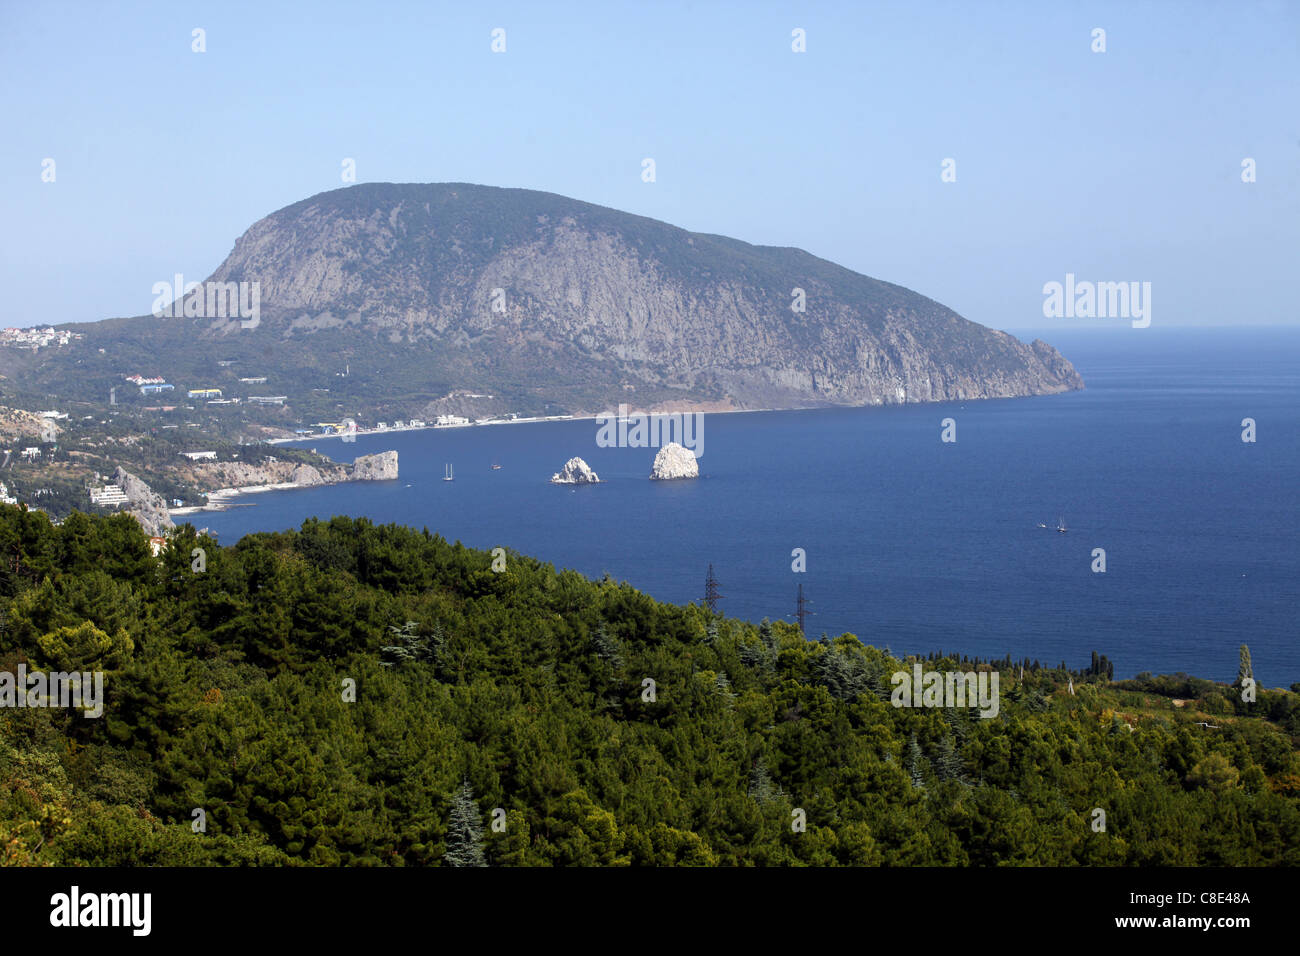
column 711, row 594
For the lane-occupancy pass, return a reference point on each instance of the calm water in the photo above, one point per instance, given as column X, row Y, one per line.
column 917, row 544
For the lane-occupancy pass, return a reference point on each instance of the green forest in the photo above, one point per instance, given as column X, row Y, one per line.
column 350, row 694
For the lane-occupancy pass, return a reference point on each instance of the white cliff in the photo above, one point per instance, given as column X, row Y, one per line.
column 380, row 467
column 674, row 461
column 575, row 472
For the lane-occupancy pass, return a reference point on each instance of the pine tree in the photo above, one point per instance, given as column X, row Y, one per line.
column 607, row 647
column 753, row 656
column 915, row 762
column 465, row 834
column 407, row 647
column 711, row 634
column 438, row 645
column 761, row 788
column 768, row 637
column 947, row 763
column 724, row 686
column 1244, row 669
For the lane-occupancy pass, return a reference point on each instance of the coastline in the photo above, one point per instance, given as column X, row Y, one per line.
column 424, row 428
column 534, row 420
column 223, row 498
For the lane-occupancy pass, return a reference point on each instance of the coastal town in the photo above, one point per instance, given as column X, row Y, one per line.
column 162, row 456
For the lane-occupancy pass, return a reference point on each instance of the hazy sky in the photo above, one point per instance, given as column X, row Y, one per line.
column 1117, row 166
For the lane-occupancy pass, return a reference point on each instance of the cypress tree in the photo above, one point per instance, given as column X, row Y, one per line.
column 1244, row 668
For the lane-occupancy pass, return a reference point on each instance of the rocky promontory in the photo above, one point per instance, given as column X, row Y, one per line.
column 575, row 472
column 674, row 461
column 143, row 503
column 235, row 474
column 380, row 467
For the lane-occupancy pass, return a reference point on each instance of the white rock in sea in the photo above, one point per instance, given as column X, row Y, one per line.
column 674, row 461
column 575, row 472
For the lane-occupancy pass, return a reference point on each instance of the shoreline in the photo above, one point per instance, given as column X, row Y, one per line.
column 224, row 498
column 533, row 420
column 424, row 428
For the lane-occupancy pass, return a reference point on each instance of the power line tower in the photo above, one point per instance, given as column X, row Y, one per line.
column 711, row 593
column 801, row 608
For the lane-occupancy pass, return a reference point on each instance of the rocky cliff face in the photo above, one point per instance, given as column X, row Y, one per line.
column 380, row 467
column 234, row 474
column 144, row 504
column 476, row 286
column 673, row 461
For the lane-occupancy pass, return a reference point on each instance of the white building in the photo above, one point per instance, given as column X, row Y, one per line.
column 108, row 495
column 200, row 455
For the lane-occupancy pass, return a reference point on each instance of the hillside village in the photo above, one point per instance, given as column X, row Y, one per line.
column 53, row 462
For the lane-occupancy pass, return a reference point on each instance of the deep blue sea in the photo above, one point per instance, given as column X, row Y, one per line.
column 917, row 544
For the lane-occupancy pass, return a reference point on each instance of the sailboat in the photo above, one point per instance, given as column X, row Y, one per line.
column 1060, row 525
column 449, row 473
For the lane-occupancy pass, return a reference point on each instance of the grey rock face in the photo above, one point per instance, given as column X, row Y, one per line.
column 144, row 504
column 380, row 467
column 306, row 475
column 508, row 285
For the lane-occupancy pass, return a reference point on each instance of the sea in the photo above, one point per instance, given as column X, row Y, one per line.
column 915, row 543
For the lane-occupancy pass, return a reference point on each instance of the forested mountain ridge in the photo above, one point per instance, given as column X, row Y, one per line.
column 549, row 305
column 524, row 690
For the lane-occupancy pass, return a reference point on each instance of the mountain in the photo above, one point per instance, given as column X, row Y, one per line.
column 548, row 304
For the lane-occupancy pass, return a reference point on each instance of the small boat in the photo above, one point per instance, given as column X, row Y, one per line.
column 1060, row 525
column 495, row 466
column 1041, row 525
column 449, row 473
